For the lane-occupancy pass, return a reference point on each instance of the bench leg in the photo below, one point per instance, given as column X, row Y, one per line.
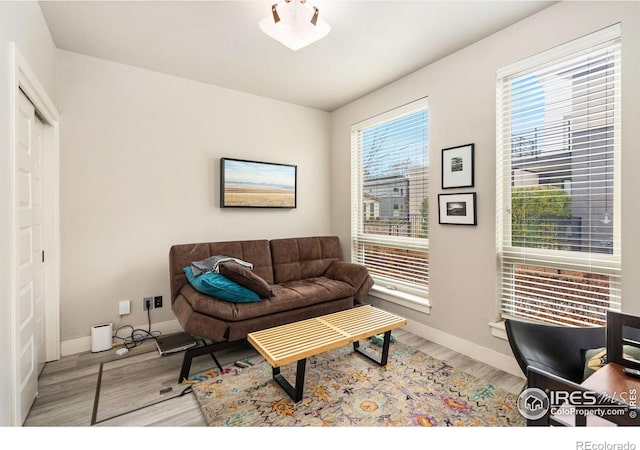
column 294, row 392
column 385, row 350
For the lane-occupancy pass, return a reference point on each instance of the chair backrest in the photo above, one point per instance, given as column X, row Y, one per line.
column 556, row 349
column 575, row 406
column 623, row 339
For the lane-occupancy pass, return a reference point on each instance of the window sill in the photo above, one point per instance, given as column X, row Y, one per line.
column 498, row 330
column 410, row 301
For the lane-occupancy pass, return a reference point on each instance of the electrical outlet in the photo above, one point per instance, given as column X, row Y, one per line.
column 157, row 301
column 147, row 303
column 124, row 307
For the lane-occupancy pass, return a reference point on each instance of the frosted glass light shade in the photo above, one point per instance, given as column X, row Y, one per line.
column 294, row 29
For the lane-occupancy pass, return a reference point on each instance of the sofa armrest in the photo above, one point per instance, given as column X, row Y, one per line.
column 356, row 275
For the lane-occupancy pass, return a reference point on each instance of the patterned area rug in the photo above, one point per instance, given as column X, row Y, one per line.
column 343, row 388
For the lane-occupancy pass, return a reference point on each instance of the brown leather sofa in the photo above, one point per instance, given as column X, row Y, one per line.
column 307, row 277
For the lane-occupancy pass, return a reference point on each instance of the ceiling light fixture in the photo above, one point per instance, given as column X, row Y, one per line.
column 294, row 23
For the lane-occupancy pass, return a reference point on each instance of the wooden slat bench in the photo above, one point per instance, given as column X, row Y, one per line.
column 297, row 341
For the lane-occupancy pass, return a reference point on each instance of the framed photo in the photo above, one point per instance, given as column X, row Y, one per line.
column 457, row 167
column 457, row 209
column 255, row 184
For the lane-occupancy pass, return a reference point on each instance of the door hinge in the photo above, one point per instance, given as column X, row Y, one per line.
column 42, row 255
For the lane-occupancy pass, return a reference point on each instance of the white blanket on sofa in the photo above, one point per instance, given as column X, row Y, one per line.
column 212, row 263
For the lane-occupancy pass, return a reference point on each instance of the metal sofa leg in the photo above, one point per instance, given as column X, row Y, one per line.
column 205, row 349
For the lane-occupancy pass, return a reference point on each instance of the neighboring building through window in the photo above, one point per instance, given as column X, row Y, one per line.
column 390, row 160
column 558, row 195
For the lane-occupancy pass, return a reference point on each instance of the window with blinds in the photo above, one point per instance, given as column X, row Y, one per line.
column 558, row 183
column 389, row 198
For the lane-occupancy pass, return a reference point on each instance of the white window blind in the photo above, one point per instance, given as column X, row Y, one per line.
column 558, row 183
column 389, row 197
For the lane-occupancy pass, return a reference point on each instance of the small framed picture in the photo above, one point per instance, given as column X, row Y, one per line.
column 457, row 167
column 457, row 209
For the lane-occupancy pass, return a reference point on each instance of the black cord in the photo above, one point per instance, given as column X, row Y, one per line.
column 137, row 336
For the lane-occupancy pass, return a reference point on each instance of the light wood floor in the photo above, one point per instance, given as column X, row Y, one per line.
column 67, row 388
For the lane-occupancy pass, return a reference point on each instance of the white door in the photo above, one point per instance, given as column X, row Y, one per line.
column 30, row 302
column 37, row 143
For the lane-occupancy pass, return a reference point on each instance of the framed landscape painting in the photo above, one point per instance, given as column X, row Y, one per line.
column 457, row 209
column 255, row 184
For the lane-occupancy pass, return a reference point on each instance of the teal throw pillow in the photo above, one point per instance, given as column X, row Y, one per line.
column 220, row 287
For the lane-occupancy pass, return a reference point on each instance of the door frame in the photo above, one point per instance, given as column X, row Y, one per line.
column 23, row 78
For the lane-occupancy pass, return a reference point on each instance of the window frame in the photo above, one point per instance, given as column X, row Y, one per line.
column 607, row 264
column 397, row 291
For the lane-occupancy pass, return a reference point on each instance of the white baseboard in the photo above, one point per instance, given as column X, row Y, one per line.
column 83, row 344
column 485, row 355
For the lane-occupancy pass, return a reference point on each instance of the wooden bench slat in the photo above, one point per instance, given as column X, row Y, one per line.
column 280, row 335
column 306, row 343
column 304, row 324
column 358, row 327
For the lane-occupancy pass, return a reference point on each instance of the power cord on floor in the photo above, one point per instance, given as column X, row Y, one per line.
column 137, row 336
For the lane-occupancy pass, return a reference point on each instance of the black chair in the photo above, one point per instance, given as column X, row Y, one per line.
column 623, row 339
column 558, row 350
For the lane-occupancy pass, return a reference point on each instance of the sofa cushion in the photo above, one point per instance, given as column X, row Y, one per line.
column 287, row 296
column 221, row 287
column 301, row 258
column 245, row 277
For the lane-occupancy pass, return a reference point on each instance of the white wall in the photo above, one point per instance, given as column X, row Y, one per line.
column 139, row 162
column 462, row 96
column 22, row 23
